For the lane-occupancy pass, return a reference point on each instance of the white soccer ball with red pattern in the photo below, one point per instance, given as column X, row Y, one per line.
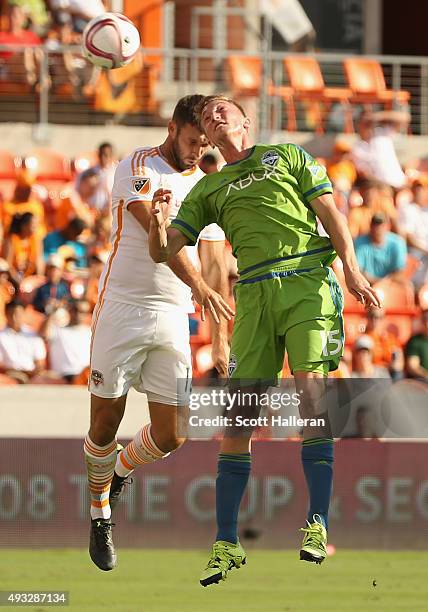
column 110, row 41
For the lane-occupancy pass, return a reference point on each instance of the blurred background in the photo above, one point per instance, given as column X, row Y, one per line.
column 346, row 79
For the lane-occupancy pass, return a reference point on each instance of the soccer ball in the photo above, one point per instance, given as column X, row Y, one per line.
column 110, row 41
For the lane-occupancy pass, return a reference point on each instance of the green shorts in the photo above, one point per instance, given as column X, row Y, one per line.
column 300, row 313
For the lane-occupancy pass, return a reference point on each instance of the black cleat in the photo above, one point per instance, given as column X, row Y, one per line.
column 116, row 488
column 101, row 547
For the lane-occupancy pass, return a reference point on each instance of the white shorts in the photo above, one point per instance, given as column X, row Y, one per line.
column 141, row 348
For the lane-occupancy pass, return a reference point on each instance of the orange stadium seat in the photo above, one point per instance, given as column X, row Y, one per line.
column 397, row 296
column 52, row 170
column 367, row 82
column 8, row 166
column 48, row 165
column 244, row 75
column 83, row 161
column 308, row 85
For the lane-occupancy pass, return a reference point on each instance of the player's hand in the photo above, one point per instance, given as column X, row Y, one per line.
column 161, row 205
column 361, row 289
column 220, row 355
column 208, row 299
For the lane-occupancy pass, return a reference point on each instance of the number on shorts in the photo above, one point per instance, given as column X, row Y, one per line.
column 330, row 344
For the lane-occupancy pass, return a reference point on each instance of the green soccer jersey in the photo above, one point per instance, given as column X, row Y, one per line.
column 263, row 205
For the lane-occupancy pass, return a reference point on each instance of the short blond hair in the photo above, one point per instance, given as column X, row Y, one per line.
column 199, row 108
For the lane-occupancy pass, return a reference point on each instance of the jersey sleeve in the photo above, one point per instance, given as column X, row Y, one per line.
column 212, row 233
column 130, row 187
column 310, row 174
column 195, row 213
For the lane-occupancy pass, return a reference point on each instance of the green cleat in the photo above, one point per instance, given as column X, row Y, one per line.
column 224, row 556
column 315, row 541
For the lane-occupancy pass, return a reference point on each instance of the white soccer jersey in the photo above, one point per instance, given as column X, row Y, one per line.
column 130, row 275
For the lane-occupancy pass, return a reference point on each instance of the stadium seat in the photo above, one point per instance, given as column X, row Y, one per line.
column 8, row 166
column 308, row 85
column 399, row 325
column 48, row 165
column 367, row 82
column 396, row 296
column 244, row 75
column 412, row 264
column 83, row 161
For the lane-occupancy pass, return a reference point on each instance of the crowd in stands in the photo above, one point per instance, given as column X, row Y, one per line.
column 52, row 252
column 53, row 23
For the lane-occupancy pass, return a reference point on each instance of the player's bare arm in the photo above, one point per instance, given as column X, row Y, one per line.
column 214, row 272
column 336, row 226
column 164, row 244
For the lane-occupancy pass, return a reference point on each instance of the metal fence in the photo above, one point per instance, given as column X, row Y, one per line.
column 63, row 88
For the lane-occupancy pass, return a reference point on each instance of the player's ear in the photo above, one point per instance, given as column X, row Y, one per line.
column 172, row 128
column 247, row 123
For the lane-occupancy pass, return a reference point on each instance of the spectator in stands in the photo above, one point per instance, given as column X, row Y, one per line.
column 24, row 200
column 416, row 352
column 340, row 167
column 100, row 238
column 373, row 201
column 381, row 253
column 106, row 167
column 374, row 153
column 7, row 290
column 55, row 291
column 209, row 163
column 80, row 11
column 22, row 247
column 96, row 266
column 69, row 346
column 69, row 236
column 77, row 203
column 413, row 224
column 17, row 34
column 362, row 360
column 22, row 352
column 386, row 347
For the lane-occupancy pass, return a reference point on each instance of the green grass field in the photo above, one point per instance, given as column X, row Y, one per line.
column 272, row 581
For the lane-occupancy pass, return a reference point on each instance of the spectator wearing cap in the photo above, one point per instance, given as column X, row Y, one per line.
column 55, row 291
column 22, row 352
column 413, row 223
column 22, row 248
column 105, row 169
column 362, row 360
column 7, row 290
column 69, row 346
column 77, row 203
column 381, row 254
column 23, row 201
column 374, row 152
column 69, row 236
column 416, row 352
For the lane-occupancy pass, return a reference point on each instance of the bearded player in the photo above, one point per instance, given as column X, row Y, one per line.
column 140, row 332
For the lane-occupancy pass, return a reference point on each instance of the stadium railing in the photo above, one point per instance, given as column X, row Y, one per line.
column 143, row 93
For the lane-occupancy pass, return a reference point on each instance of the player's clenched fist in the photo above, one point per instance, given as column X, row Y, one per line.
column 160, row 205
